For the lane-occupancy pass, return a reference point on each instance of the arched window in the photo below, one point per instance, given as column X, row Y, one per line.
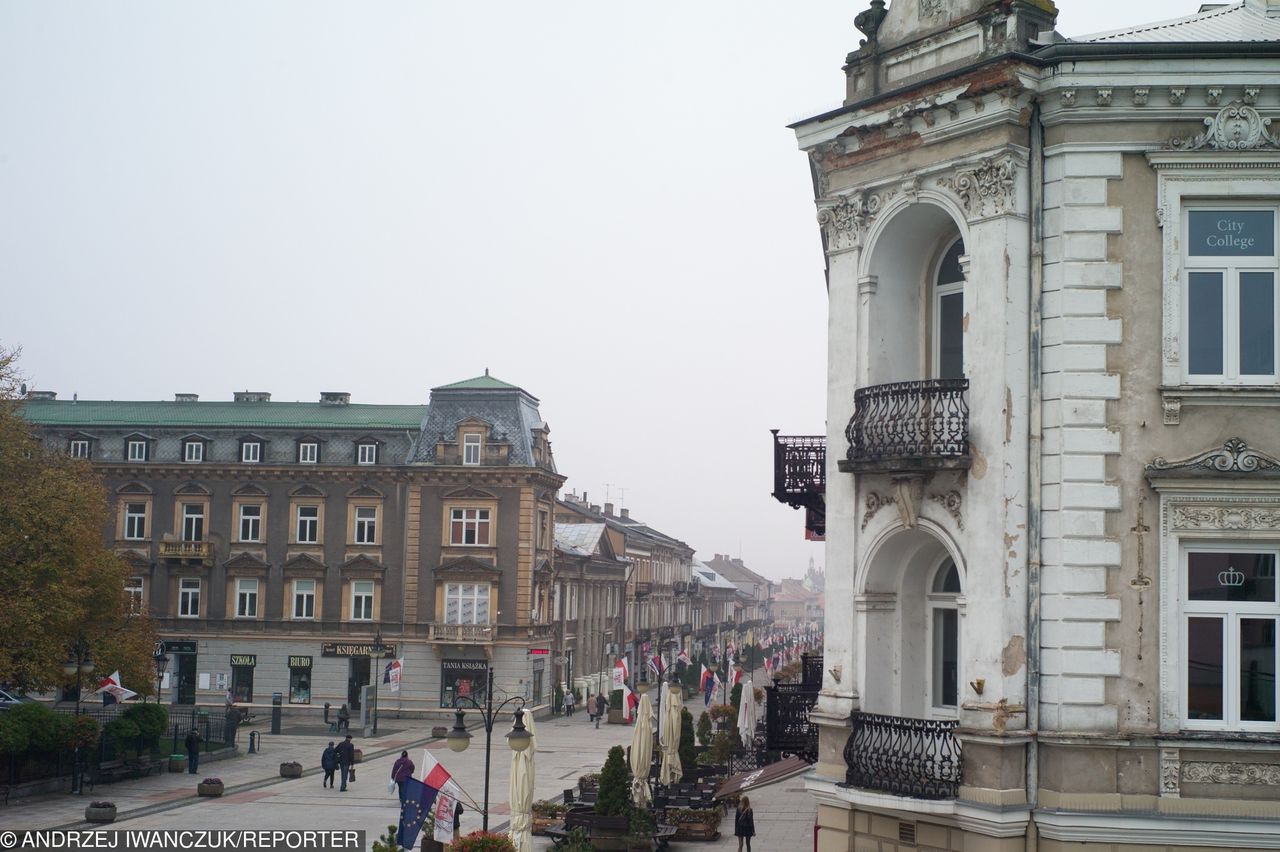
column 948, row 315
column 944, row 644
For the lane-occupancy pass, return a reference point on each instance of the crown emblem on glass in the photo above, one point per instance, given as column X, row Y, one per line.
column 1230, row 577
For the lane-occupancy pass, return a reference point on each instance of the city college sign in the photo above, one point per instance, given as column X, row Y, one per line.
column 356, row 649
column 1223, row 233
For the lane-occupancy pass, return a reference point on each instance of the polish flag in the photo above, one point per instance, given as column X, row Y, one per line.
column 435, row 776
column 683, row 658
column 737, row 677
column 626, row 672
column 706, row 675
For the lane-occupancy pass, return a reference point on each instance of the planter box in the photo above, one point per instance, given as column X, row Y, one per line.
column 440, row 731
column 615, row 717
column 291, row 770
column 696, row 831
column 359, row 756
column 92, row 814
column 211, row 790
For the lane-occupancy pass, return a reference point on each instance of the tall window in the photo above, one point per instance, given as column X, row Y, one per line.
column 1230, row 609
column 308, row 524
column 193, row 451
column 135, row 521
column 944, row 650
column 304, row 598
column 366, row 525
column 189, row 597
column 466, row 603
column 193, row 522
column 362, row 600
column 251, row 452
column 137, row 451
column 80, row 449
column 948, row 315
column 251, row 523
column 366, row 454
column 246, row 597
column 308, row 452
column 471, row 449
column 469, row 526
column 1230, row 297
column 133, row 589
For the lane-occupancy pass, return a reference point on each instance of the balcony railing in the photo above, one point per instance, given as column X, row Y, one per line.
column 644, row 589
column 919, row 758
column 800, row 477
column 462, row 632
column 909, row 426
column 185, row 549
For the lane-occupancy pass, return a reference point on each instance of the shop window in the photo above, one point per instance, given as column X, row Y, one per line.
column 242, row 684
column 300, row 680
column 463, row 679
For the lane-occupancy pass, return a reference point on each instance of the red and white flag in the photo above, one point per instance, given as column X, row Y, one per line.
column 434, row 775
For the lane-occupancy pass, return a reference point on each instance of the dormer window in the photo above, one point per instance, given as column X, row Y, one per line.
column 250, row 452
column 471, row 448
column 308, row 452
column 367, row 453
column 79, row 448
column 193, row 451
column 136, row 449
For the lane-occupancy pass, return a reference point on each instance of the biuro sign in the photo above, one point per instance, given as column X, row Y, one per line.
column 1231, row 233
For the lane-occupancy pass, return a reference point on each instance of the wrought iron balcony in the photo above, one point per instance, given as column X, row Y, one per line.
column 788, row 730
column 643, row 589
column 907, row 426
column 680, row 587
column 800, row 477
column 185, row 549
column 919, row 758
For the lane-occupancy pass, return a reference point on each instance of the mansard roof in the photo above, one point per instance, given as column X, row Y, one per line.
column 1231, row 22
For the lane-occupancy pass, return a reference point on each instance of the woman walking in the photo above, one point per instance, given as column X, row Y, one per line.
column 744, row 823
column 403, row 769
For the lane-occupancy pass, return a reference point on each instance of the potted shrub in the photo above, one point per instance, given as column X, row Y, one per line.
column 100, row 812
column 695, row 823
column 722, row 714
column 545, row 815
column 483, row 841
column 212, row 787
column 704, row 729
column 588, row 782
column 291, row 769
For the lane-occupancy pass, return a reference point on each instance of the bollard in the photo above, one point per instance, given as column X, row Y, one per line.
column 255, row 746
column 326, row 712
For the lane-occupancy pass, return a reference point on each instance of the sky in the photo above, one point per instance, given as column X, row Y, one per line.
column 596, row 201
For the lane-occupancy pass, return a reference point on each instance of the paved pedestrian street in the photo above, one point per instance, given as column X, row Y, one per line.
column 258, row 798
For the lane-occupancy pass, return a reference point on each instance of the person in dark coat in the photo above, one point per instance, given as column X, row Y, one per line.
column 344, row 719
column 600, row 707
column 329, row 763
column 346, row 759
column 402, row 770
column 193, row 741
column 744, row 823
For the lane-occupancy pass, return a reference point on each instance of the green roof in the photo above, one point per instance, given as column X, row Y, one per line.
column 314, row 415
column 485, row 382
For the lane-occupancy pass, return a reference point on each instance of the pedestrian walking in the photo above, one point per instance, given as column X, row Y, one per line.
column 403, row 769
column 346, row 760
column 600, row 707
column 329, row 763
column 744, row 823
column 344, row 719
column 193, row 750
column 569, row 700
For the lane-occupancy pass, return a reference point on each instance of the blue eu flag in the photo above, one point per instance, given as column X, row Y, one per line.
column 418, row 801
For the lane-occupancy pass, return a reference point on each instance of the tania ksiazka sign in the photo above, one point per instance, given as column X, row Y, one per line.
column 1228, row 233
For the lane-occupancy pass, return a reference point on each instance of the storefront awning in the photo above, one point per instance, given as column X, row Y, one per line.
column 746, row 781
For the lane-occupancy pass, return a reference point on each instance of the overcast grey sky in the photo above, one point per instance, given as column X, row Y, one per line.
column 598, row 201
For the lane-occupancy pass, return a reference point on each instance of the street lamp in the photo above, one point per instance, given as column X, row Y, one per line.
column 79, row 663
column 518, row 738
column 161, row 661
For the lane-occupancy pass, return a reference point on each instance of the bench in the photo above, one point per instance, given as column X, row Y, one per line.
column 144, row 766
column 109, row 770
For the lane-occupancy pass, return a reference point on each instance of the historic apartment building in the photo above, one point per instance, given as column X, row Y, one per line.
column 587, row 604
column 1052, row 487
column 297, row 548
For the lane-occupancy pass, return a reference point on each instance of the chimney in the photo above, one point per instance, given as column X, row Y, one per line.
column 626, row 513
column 186, row 397
column 608, row 508
column 585, row 501
column 252, row 396
column 335, row 398
column 35, row 394
column 595, row 509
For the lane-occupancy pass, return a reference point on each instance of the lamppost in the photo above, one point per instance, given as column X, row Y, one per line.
column 378, row 650
column 459, row 738
column 161, row 661
column 79, row 663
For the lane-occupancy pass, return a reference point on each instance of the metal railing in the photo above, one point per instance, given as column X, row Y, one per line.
column 786, row 720
column 910, row 421
column 919, row 758
column 185, row 549
column 799, row 466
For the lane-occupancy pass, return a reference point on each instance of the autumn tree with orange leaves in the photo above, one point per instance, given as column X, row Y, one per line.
column 58, row 579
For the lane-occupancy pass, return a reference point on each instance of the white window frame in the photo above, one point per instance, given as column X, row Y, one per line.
column 251, row 452
column 471, row 446
column 188, row 517
column 362, row 592
column 936, row 602
column 132, row 521
column 459, row 595
column 309, row 452
column 80, row 448
column 189, row 597
column 472, row 519
column 366, row 527
column 304, row 599
column 247, row 597
column 311, row 523
column 136, row 450
column 366, row 453
column 936, row 293
column 254, row 521
column 135, row 588
column 193, row 452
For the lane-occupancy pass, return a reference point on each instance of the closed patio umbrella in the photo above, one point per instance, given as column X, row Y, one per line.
column 521, row 791
column 747, row 714
column 642, row 752
column 669, row 740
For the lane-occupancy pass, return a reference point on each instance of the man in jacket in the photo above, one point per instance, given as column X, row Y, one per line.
column 600, row 707
column 346, row 759
column 329, row 763
column 193, row 741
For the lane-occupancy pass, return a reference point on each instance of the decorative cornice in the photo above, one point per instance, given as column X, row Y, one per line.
column 1235, row 127
column 951, row 502
column 1254, row 774
column 1234, row 457
column 845, row 221
column 1224, row 518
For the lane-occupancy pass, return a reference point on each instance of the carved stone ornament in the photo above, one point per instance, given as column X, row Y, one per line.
column 1224, row 518
column 1170, row 773
column 1235, row 127
column 986, row 189
column 929, row 8
column 951, row 502
column 1068, row 97
column 844, row 221
column 874, row 503
column 1140, row 96
column 1103, row 97
column 1233, row 457
column 1177, row 95
column 1172, row 406
column 1256, row 774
